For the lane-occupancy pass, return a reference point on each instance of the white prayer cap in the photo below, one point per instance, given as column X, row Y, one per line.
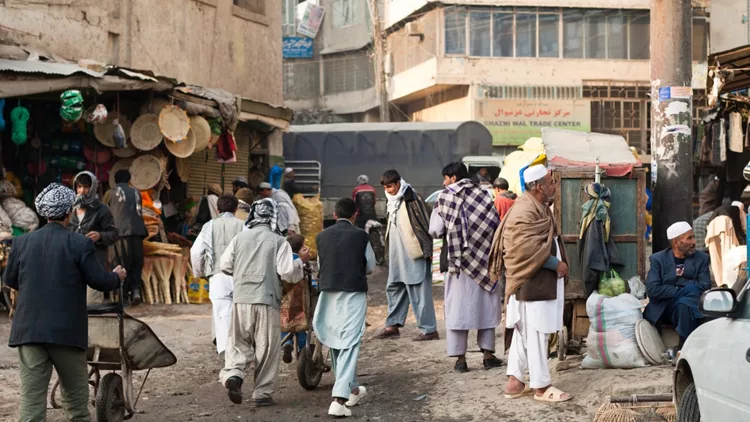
column 288, row 170
column 534, row 173
column 738, row 204
column 678, row 229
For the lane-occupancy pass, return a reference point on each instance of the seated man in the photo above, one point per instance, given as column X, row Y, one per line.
column 676, row 280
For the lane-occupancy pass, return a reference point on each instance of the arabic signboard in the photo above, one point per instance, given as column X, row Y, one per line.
column 512, row 122
column 311, row 19
column 297, row 48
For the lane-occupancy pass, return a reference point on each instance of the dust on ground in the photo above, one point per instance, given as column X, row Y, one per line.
column 406, row 381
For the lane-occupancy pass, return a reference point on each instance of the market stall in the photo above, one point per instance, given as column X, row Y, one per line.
column 57, row 119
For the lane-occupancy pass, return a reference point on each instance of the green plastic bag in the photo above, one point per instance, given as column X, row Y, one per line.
column 611, row 284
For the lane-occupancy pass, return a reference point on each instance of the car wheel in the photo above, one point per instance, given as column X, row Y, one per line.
column 689, row 410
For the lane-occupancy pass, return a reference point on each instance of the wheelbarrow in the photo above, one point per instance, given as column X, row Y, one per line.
column 311, row 362
column 119, row 342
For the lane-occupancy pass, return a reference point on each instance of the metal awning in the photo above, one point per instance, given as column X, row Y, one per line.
column 733, row 68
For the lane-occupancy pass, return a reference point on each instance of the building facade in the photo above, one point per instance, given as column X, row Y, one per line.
column 519, row 65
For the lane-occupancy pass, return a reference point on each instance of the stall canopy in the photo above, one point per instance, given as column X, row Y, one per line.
column 566, row 148
column 39, row 74
column 732, row 67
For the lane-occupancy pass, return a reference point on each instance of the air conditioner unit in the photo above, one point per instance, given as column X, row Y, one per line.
column 414, row 29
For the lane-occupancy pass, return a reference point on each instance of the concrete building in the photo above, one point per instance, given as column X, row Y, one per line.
column 731, row 24
column 515, row 65
column 234, row 45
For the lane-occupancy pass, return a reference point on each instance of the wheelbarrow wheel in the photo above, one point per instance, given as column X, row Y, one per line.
column 309, row 373
column 110, row 400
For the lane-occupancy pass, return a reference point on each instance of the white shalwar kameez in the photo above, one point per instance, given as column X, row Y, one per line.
column 532, row 323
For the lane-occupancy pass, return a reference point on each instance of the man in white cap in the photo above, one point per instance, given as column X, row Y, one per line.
column 528, row 250
column 678, row 277
column 292, row 188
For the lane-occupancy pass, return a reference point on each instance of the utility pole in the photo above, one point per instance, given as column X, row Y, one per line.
column 378, row 41
column 671, row 113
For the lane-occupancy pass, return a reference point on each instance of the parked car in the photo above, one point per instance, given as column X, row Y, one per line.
column 713, row 367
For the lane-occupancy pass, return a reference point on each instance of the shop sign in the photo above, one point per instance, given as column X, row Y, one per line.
column 297, row 48
column 512, row 122
column 311, row 20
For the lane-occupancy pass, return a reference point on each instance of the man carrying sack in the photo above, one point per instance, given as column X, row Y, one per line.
column 528, row 250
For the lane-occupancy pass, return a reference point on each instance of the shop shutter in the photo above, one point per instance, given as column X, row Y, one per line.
column 204, row 172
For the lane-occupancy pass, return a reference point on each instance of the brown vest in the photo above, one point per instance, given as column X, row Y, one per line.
column 543, row 286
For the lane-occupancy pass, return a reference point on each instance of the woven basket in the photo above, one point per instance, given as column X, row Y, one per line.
column 202, row 132
column 101, row 156
column 127, row 152
column 146, row 172
column 105, row 131
column 174, row 123
column 145, row 133
column 617, row 415
column 182, row 149
column 124, row 163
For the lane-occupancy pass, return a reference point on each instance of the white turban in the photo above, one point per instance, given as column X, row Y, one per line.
column 678, row 229
column 534, row 173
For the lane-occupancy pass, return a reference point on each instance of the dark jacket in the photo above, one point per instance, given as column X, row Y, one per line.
column 343, row 264
column 125, row 206
column 97, row 219
column 662, row 283
column 51, row 268
column 596, row 256
column 419, row 220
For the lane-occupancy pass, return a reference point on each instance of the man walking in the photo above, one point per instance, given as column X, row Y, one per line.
column 364, row 197
column 504, row 198
column 256, row 258
column 346, row 258
column 409, row 268
column 51, row 268
column 465, row 215
column 528, row 250
column 207, row 249
column 125, row 204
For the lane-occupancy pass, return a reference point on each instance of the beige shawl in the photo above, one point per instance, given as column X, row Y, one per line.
column 523, row 242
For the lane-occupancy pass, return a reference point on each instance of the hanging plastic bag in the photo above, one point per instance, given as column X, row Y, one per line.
column 611, row 284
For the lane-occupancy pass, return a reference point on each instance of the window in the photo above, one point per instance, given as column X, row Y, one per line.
column 289, row 11
column 479, row 27
column 617, row 36
column 455, row 32
column 345, row 13
column 526, row 35
column 596, row 35
column 502, row 29
column 700, row 39
column 573, row 34
column 255, row 6
column 639, row 36
column 549, row 35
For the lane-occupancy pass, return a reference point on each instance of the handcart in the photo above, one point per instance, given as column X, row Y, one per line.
column 119, row 342
column 311, row 362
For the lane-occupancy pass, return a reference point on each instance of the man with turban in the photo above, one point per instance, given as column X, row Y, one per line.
column 257, row 259
column 528, row 250
column 51, row 268
column 678, row 277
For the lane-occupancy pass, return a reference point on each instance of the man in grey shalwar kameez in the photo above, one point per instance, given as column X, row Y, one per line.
column 409, row 269
column 346, row 258
column 466, row 217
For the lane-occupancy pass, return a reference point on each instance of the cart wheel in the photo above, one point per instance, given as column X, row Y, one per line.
column 53, row 396
column 562, row 343
column 110, row 401
column 309, row 373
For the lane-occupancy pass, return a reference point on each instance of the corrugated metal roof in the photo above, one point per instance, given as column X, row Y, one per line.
column 379, row 127
column 47, row 68
column 736, row 58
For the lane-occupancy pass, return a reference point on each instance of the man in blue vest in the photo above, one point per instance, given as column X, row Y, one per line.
column 346, row 258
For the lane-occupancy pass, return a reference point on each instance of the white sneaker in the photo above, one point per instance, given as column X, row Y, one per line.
column 339, row 410
column 355, row 398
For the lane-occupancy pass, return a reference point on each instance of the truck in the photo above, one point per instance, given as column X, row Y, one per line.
column 332, row 156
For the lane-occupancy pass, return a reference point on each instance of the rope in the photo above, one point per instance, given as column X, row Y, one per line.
column 19, row 116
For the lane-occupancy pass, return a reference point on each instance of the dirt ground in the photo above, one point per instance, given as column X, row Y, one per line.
column 406, row 381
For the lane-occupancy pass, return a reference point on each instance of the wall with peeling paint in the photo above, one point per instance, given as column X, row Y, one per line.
column 728, row 30
column 206, row 42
